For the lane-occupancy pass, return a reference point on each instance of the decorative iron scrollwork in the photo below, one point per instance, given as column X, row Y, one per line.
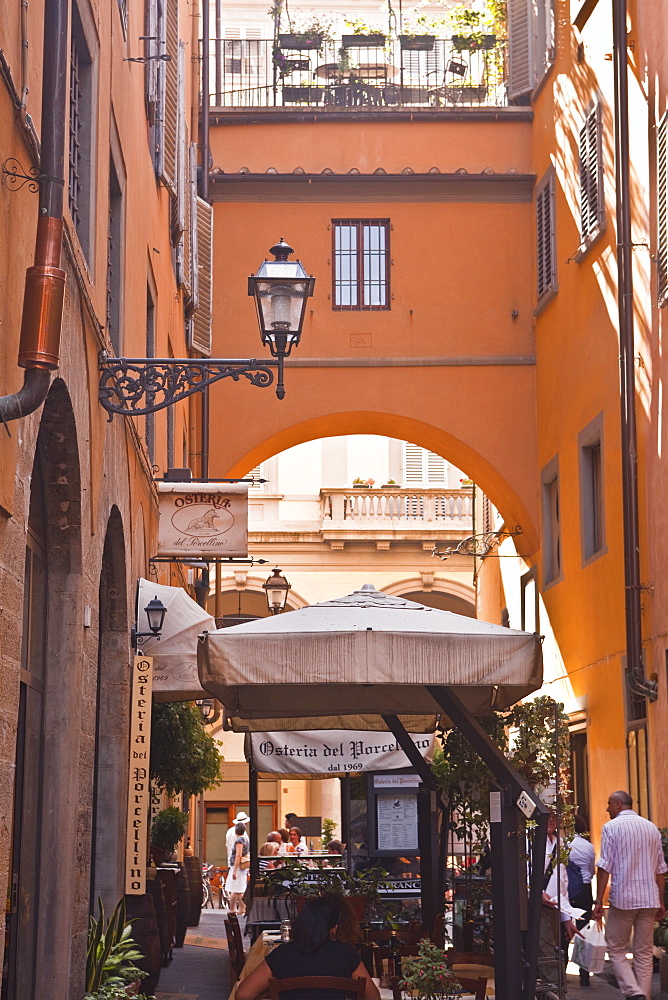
column 138, row 386
column 14, row 176
column 479, row 545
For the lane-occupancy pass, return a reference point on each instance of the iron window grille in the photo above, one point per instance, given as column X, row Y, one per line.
column 75, row 153
column 361, row 273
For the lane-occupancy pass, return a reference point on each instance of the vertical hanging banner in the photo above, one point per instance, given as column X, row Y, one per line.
column 139, row 785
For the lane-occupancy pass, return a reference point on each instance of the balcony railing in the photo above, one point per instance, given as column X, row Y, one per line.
column 398, row 507
column 249, row 73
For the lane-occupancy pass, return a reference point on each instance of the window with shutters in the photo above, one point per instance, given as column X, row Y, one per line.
column 531, row 45
column 361, row 274
column 162, row 86
column 545, row 240
column 422, row 467
column 662, row 209
column 199, row 326
column 592, row 205
column 552, row 566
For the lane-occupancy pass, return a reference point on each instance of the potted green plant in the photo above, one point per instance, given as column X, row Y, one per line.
column 363, row 36
column 469, row 33
column 298, row 883
column 427, row 976
column 360, row 484
column 307, row 34
column 111, row 952
column 167, row 829
column 391, row 484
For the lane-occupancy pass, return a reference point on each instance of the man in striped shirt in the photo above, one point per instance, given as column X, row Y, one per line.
column 632, row 858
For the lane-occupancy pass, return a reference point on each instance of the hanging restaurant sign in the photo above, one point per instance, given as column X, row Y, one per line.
column 139, row 785
column 332, row 751
column 203, row 520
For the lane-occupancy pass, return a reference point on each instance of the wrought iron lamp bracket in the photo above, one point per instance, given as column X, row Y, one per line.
column 135, row 387
column 480, row 544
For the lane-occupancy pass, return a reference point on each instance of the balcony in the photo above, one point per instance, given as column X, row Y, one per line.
column 346, row 77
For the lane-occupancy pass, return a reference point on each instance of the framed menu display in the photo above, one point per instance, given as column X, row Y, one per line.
column 393, row 814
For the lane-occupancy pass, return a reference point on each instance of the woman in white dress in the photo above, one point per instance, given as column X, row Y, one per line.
column 237, row 876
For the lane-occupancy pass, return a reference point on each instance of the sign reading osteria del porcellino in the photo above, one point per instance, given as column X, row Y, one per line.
column 139, row 785
column 203, row 519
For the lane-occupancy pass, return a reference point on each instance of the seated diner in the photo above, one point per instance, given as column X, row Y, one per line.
column 313, row 951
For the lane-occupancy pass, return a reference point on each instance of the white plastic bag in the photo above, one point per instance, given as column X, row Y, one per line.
column 589, row 950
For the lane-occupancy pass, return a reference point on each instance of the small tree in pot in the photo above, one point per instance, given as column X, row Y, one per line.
column 167, row 830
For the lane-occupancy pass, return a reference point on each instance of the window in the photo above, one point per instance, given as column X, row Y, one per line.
column 592, row 530
column 592, row 207
column 551, row 522
column 545, row 249
column 199, row 326
column 662, row 209
column 115, row 234
column 80, row 168
column 361, row 264
column 531, row 44
column 422, row 467
column 529, row 604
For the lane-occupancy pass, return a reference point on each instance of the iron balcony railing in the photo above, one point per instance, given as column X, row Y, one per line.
column 250, row 73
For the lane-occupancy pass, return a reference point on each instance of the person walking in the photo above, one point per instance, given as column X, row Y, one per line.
column 632, row 860
column 231, row 836
column 580, row 872
column 237, row 876
column 555, row 923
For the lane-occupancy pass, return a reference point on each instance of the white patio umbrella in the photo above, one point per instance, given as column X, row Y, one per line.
column 343, row 663
column 175, row 652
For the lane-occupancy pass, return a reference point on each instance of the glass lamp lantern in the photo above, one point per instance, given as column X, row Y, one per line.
column 280, row 289
column 155, row 614
column 276, row 588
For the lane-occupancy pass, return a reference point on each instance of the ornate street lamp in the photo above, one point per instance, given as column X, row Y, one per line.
column 134, row 387
column 155, row 612
column 276, row 588
column 205, row 706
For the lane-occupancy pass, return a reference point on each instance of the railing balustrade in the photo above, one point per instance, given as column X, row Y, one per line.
column 254, row 73
column 397, row 506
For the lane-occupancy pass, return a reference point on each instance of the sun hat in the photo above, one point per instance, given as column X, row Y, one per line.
column 241, row 817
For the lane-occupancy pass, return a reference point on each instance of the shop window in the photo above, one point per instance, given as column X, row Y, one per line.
column 361, row 276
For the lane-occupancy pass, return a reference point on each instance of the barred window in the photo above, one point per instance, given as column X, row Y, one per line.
column 546, row 259
column 592, row 208
column 361, row 276
column 662, row 209
column 80, row 132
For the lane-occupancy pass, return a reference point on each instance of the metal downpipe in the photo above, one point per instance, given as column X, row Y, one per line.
column 635, row 671
column 41, row 323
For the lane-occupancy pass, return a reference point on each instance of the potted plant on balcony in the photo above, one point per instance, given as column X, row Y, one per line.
column 469, row 33
column 364, row 36
column 307, row 34
column 417, row 42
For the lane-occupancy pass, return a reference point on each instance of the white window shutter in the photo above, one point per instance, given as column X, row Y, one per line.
column 182, row 151
column 171, row 87
column 520, row 47
column 436, row 469
column 592, row 209
column 413, row 464
column 191, row 265
column 662, row 209
column 151, row 50
column 158, row 119
column 200, row 328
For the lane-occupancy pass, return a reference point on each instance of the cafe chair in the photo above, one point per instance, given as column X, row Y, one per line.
column 235, row 949
column 381, row 955
column 460, row 958
column 351, row 987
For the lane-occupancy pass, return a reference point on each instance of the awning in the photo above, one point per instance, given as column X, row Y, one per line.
column 330, row 753
column 175, row 652
column 364, row 655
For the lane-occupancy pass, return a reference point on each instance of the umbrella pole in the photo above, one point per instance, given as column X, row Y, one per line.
column 254, row 832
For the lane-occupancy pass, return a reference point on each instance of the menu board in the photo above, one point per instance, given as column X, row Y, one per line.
column 397, row 821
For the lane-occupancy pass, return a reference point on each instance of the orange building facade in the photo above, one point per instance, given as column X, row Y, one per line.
column 495, row 338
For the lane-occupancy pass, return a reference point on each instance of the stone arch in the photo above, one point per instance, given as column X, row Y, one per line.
column 111, row 728
column 515, row 507
column 50, row 747
column 460, row 593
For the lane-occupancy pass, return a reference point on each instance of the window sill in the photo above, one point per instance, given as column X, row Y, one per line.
column 588, row 243
column 545, row 299
column 594, row 556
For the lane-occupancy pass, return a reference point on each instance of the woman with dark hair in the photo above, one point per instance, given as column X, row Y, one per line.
column 313, row 951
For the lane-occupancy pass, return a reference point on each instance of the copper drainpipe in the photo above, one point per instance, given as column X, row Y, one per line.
column 39, row 349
